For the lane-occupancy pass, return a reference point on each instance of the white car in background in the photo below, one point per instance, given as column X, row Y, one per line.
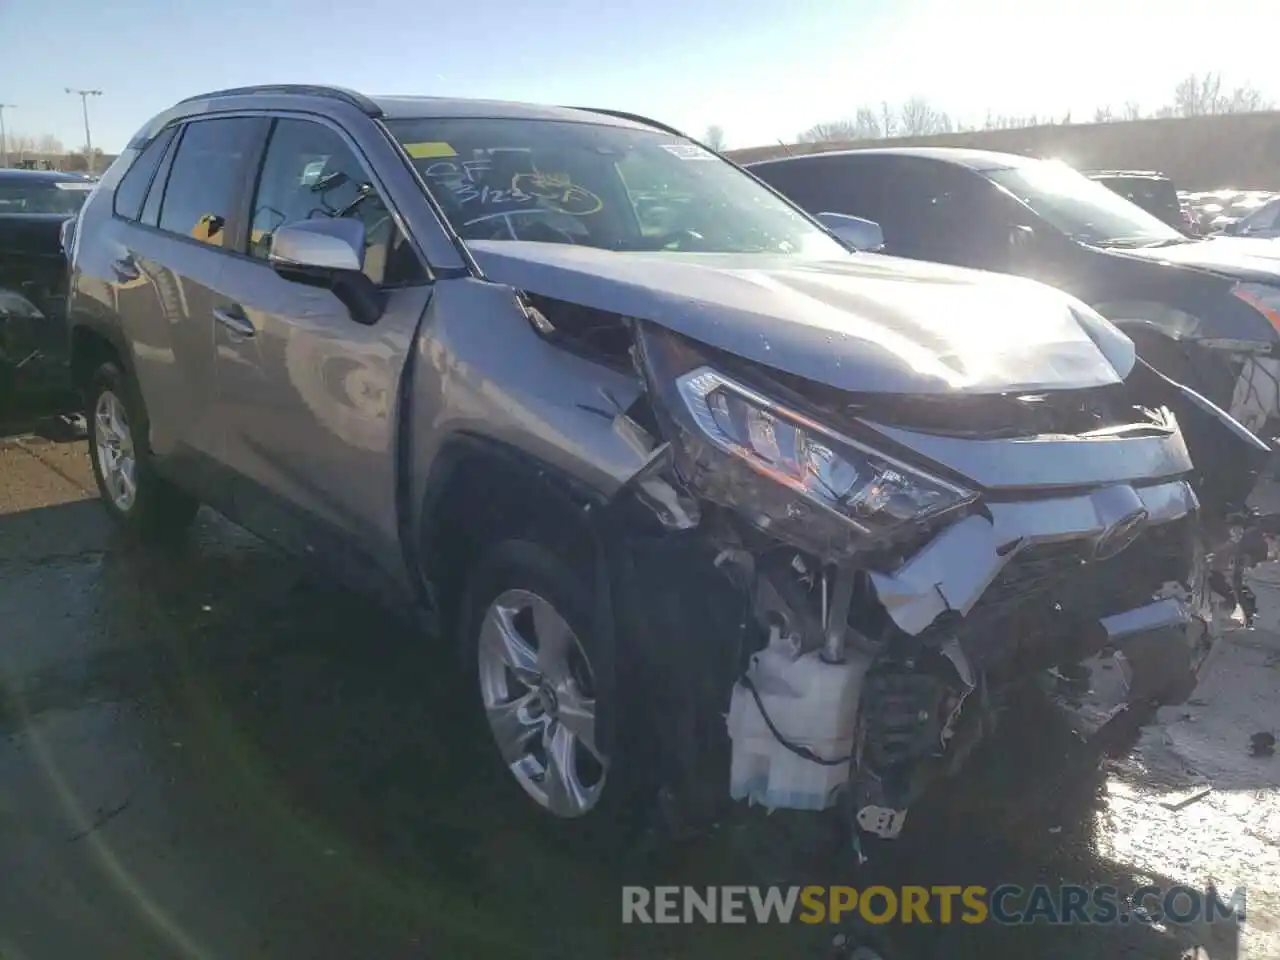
column 1263, row 223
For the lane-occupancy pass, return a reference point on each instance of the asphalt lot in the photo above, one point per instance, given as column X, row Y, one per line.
column 203, row 754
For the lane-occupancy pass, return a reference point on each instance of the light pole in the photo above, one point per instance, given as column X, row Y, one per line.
column 4, row 140
column 84, row 96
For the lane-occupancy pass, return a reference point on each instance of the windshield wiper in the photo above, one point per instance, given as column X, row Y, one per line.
column 1169, row 242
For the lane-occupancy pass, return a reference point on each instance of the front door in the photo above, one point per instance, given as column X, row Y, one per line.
column 307, row 396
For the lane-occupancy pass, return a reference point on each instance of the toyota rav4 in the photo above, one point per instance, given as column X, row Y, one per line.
column 701, row 493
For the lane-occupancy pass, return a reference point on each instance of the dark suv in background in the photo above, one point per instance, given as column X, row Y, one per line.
column 35, row 207
column 1153, row 192
column 1204, row 312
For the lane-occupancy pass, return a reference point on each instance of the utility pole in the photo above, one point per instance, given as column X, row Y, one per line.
column 84, row 96
column 4, row 140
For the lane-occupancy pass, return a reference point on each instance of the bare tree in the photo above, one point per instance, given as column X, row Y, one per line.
column 1196, row 96
column 714, row 137
column 866, row 124
column 920, row 118
column 21, row 144
column 50, row 144
column 829, row 131
column 888, row 119
column 1004, row 121
column 1247, row 99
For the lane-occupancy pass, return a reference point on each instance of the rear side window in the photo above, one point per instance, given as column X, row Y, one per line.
column 207, row 170
column 151, row 209
column 133, row 186
column 796, row 182
column 1155, row 196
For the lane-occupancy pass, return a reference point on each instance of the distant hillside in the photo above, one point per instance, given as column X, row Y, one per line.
column 1199, row 153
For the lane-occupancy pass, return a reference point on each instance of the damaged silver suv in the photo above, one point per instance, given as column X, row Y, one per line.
column 712, row 505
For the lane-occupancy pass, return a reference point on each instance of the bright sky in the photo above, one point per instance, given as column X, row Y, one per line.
column 761, row 69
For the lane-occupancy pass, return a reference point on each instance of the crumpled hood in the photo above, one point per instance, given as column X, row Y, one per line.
column 867, row 323
column 1240, row 258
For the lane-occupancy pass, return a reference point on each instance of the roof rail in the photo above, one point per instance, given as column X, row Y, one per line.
column 634, row 118
column 357, row 100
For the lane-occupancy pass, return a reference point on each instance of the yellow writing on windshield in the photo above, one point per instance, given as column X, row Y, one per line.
column 426, row 151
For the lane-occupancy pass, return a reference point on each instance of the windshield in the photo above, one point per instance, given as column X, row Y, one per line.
column 617, row 188
column 43, row 196
column 1082, row 208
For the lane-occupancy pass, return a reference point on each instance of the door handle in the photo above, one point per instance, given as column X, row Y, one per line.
column 233, row 319
column 125, row 269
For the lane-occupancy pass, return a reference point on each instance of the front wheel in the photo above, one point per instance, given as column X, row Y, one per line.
column 541, row 674
column 137, row 497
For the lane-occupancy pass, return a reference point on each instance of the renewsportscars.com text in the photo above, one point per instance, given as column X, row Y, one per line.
column 1005, row 904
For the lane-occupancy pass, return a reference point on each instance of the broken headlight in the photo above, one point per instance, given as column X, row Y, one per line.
column 872, row 492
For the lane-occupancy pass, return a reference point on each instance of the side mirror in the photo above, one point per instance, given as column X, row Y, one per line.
column 856, row 232
column 1235, row 228
column 328, row 253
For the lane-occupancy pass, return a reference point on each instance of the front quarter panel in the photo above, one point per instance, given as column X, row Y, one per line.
column 482, row 371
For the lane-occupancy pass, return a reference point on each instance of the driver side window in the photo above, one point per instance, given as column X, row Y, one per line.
column 654, row 198
column 309, row 171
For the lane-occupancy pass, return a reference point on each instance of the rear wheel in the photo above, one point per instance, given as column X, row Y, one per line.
column 137, row 497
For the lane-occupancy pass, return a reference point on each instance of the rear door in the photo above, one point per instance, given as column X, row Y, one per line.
column 168, row 262
column 308, row 395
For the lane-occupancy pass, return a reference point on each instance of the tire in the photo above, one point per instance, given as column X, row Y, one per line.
column 155, row 510
column 593, row 803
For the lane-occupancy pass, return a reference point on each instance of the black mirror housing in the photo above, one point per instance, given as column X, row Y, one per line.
column 361, row 296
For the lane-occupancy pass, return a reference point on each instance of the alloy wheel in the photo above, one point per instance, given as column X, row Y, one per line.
column 538, row 691
column 117, row 462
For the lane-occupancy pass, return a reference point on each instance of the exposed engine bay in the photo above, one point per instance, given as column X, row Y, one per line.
column 878, row 569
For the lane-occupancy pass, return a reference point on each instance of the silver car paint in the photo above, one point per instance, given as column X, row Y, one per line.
column 482, row 370
column 307, row 403
column 865, row 323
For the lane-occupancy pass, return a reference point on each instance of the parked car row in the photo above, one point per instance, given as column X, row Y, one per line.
column 35, row 205
column 649, row 444
column 1221, row 211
